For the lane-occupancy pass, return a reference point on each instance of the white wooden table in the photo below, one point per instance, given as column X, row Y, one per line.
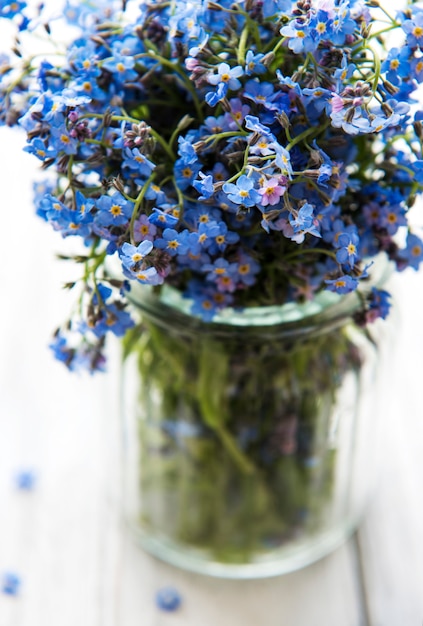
column 78, row 566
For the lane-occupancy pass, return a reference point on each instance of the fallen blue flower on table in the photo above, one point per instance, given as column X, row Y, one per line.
column 168, row 599
column 25, row 480
column 10, row 584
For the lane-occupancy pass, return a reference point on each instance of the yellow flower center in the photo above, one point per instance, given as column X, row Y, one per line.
column 115, row 210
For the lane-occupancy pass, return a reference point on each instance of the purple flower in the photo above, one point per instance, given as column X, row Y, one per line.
column 144, row 229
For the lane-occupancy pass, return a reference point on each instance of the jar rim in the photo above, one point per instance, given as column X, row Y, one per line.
column 326, row 310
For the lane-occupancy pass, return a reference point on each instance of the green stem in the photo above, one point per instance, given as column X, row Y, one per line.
column 185, row 78
column 233, row 450
column 304, row 134
column 242, row 45
column 381, row 32
column 137, row 205
column 302, row 251
column 377, row 67
column 229, row 133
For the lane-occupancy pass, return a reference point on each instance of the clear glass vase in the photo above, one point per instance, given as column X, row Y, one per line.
column 249, row 441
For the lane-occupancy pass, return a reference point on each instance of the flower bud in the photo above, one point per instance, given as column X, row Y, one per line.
column 118, row 184
column 283, row 119
column 213, row 6
column 418, row 129
column 184, row 122
column 268, row 59
column 387, row 109
column 390, row 88
column 365, row 30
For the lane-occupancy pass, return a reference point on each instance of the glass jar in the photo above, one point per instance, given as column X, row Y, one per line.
column 249, row 440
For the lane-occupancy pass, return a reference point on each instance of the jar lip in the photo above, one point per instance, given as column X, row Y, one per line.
column 326, row 309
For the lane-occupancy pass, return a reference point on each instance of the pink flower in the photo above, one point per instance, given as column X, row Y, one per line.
column 337, row 103
column 191, row 63
column 271, row 191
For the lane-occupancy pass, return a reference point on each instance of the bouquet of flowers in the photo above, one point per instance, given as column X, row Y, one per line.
column 247, row 153
column 241, row 154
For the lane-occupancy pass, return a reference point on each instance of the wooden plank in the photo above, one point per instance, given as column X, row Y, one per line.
column 391, row 537
column 325, row 593
column 56, row 538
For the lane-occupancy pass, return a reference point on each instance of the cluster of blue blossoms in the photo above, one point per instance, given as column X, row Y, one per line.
column 246, row 152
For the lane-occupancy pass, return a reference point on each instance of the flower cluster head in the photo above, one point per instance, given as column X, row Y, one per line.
column 246, row 151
